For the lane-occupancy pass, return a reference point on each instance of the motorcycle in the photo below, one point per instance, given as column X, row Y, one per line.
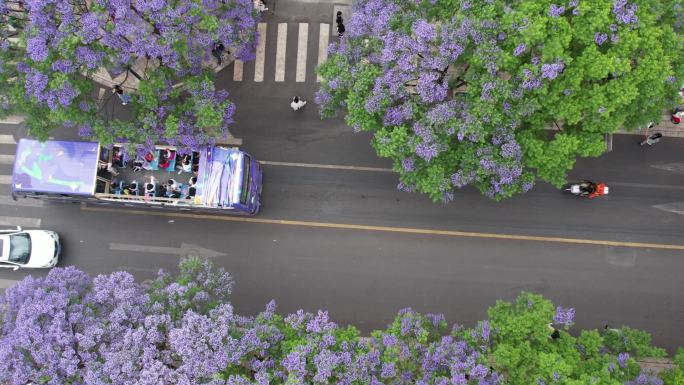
column 587, row 189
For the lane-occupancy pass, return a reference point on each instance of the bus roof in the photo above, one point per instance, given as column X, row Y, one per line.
column 62, row 167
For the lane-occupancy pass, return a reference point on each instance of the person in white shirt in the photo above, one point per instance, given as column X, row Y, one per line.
column 297, row 103
column 260, row 6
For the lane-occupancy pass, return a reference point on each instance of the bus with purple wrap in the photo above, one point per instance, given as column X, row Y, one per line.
column 214, row 179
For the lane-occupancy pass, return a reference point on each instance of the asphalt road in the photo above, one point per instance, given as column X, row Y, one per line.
column 359, row 248
column 364, row 276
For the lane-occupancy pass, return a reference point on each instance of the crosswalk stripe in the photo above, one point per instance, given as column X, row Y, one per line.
column 7, row 139
column 5, row 179
column 281, row 46
column 6, row 159
column 237, row 70
column 260, row 54
column 13, row 119
column 25, row 202
column 323, row 38
column 20, row 221
column 301, row 52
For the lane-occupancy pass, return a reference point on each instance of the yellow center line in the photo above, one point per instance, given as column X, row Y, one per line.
column 405, row 230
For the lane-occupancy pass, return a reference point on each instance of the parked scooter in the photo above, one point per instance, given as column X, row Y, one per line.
column 587, row 189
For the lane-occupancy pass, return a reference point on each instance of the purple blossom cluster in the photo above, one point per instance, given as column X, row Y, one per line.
column 556, row 10
column 550, row 71
column 519, row 49
column 625, row 12
column 564, row 317
column 75, row 39
column 600, row 38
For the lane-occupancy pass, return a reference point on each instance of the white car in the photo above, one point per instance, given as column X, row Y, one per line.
column 28, row 248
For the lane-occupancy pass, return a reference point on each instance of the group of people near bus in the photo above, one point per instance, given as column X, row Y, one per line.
column 164, row 159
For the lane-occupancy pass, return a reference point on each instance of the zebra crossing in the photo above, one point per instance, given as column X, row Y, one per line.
column 302, row 73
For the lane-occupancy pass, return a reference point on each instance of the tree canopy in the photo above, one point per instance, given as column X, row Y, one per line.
column 69, row 328
column 51, row 50
column 497, row 94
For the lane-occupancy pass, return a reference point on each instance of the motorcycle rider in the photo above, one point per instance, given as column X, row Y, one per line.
column 587, row 188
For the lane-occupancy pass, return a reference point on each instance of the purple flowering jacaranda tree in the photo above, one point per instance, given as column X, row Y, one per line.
column 67, row 56
column 69, row 329
column 497, row 94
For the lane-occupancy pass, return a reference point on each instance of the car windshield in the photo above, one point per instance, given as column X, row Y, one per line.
column 20, row 248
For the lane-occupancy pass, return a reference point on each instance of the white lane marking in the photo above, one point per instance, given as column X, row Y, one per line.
column 144, row 248
column 674, row 207
column 6, row 159
column 379, row 169
column 20, row 221
column 324, row 37
column 184, row 250
column 5, row 283
column 260, row 54
column 645, row 185
column 672, row 167
column 301, row 52
column 25, row 202
column 280, row 52
column 327, row 166
column 7, row 139
column 5, row 179
column 237, row 70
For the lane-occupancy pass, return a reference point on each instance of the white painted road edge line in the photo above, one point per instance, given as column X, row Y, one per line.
column 26, row 202
column 301, row 52
column 20, row 221
column 280, row 52
column 327, row 166
column 5, row 283
column 260, row 54
column 324, row 36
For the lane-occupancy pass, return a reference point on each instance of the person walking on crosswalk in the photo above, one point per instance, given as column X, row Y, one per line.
column 297, row 103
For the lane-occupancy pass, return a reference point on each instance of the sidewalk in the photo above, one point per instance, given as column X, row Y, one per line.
column 665, row 127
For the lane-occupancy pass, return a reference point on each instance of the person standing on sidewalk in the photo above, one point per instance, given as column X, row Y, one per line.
column 297, row 103
column 340, row 30
column 123, row 96
column 339, row 19
column 217, row 52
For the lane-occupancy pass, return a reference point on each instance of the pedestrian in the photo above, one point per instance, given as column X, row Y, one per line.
column 652, row 139
column 340, row 30
column 123, row 96
column 260, row 6
column 339, row 19
column 297, row 103
column 217, row 52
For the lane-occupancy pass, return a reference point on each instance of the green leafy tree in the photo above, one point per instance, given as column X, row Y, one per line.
column 497, row 94
column 531, row 345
